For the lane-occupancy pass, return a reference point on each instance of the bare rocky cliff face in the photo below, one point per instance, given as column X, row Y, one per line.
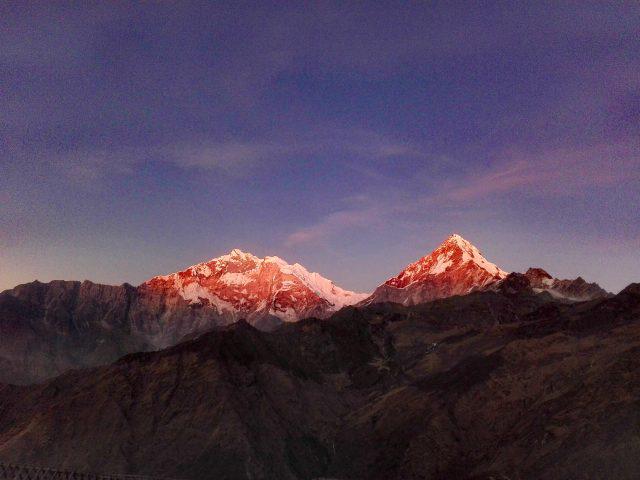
column 46, row 329
column 577, row 290
column 49, row 328
column 494, row 384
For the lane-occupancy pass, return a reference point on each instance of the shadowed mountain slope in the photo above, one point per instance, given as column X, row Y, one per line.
column 46, row 329
column 489, row 384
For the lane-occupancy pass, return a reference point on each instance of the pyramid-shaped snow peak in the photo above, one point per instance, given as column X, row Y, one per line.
column 456, row 267
column 242, row 285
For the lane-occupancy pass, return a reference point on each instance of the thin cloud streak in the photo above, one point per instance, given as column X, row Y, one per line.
column 235, row 158
column 555, row 173
column 333, row 224
column 558, row 172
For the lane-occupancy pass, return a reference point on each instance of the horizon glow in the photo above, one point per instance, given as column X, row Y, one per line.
column 136, row 140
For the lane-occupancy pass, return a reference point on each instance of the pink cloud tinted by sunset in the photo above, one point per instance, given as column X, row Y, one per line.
column 333, row 224
column 552, row 173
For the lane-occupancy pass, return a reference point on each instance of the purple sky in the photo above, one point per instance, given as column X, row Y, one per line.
column 349, row 137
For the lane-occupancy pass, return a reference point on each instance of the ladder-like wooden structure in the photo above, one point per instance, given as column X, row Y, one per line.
column 27, row 472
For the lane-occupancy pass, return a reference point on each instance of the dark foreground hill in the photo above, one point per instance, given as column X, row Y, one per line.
column 490, row 385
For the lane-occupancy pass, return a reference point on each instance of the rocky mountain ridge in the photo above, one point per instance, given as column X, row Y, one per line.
column 488, row 385
column 240, row 285
column 577, row 290
column 457, row 267
column 47, row 329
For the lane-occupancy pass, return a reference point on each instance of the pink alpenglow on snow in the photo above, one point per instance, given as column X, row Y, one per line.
column 456, row 267
column 241, row 285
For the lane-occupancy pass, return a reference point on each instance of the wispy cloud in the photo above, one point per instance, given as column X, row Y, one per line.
column 231, row 157
column 235, row 158
column 333, row 224
column 557, row 172
column 89, row 167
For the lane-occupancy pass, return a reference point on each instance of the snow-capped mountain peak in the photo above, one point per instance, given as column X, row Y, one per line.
column 456, row 267
column 320, row 285
column 456, row 239
column 472, row 254
column 235, row 255
column 241, row 285
column 454, row 254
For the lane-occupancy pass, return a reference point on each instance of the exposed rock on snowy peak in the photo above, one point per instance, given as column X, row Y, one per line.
column 241, row 285
column 576, row 290
column 538, row 280
column 513, row 284
column 456, row 267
